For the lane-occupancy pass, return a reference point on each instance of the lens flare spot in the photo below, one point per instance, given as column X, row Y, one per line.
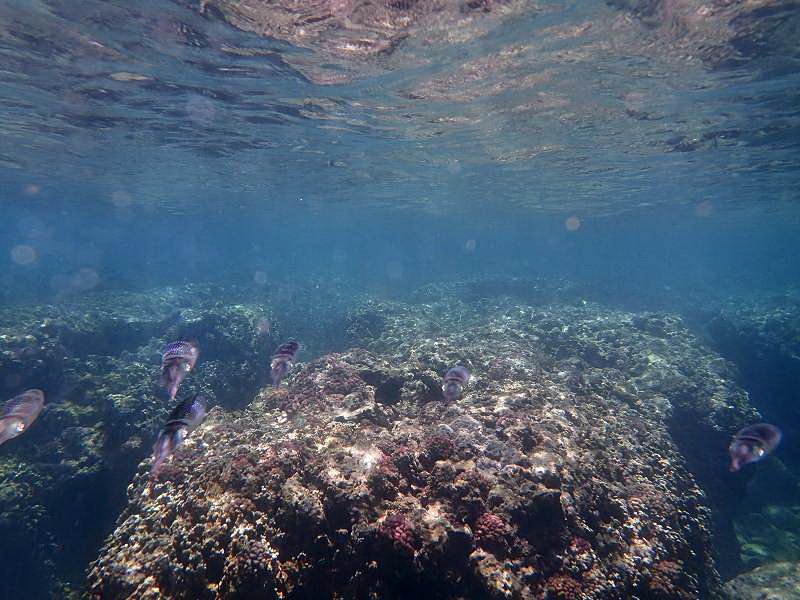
column 201, row 110
column 121, row 199
column 263, row 325
column 23, row 254
column 84, row 279
column 703, row 209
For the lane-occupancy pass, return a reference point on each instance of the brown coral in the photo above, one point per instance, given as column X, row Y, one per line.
column 669, row 581
column 562, row 587
column 580, row 545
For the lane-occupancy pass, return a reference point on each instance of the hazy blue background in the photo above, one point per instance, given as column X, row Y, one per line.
column 89, row 244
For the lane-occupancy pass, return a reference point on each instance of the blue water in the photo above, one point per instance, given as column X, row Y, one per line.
column 647, row 153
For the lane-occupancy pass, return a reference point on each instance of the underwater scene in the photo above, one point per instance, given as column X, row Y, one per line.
column 387, row 300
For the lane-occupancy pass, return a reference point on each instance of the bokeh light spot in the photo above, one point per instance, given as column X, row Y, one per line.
column 121, row 199
column 704, row 209
column 200, row 110
column 84, row 279
column 23, row 254
column 263, row 325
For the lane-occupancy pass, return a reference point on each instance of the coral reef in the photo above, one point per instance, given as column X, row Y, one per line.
column 556, row 475
column 562, row 587
column 760, row 333
column 97, row 361
column 491, row 532
column 641, row 359
column 581, row 428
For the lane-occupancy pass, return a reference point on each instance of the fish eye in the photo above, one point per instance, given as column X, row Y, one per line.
column 20, row 427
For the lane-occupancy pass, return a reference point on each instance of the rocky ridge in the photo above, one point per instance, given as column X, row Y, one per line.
column 557, row 475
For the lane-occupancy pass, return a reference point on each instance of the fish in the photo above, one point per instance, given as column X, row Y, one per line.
column 183, row 419
column 454, row 382
column 283, row 359
column 17, row 414
column 753, row 443
column 178, row 359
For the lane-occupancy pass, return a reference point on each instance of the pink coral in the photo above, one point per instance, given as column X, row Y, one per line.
column 438, row 447
column 398, row 528
column 287, row 401
column 491, row 531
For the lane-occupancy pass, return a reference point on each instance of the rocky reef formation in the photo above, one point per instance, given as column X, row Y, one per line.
column 557, row 475
column 97, row 361
column 581, row 428
column 760, row 333
column 776, row 581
